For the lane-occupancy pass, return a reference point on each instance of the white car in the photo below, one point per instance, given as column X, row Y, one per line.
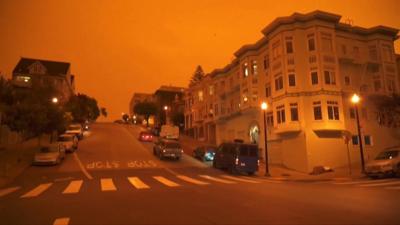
column 386, row 163
column 75, row 129
column 69, row 141
column 51, row 154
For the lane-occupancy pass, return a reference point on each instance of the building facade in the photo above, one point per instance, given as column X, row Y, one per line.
column 170, row 97
column 31, row 73
column 306, row 67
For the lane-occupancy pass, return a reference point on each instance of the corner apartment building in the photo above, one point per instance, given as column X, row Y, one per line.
column 306, row 67
column 29, row 73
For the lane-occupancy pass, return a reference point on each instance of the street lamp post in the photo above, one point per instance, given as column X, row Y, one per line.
column 355, row 99
column 54, row 100
column 264, row 107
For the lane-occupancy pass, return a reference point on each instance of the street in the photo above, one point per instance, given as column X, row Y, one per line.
column 115, row 179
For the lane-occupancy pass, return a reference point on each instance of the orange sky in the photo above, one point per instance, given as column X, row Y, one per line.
column 119, row 47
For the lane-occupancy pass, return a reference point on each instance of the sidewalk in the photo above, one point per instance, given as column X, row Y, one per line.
column 280, row 172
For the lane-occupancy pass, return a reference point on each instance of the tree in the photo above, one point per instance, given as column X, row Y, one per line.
column 388, row 109
column 145, row 109
column 82, row 108
column 197, row 76
column 103, row 111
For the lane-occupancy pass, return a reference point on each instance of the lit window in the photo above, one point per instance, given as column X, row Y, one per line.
column 254, row 67
column 292, row 80
column 294, row 112
column 200, row 95
column 280, row 114
column 211, row 89
column 314, row 78
column 333, row 110
column 245, row 70
column 317, row 110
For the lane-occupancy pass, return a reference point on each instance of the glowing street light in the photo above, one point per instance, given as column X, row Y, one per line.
column 355, row 99
column 264, row 107
column 54, row 100
column 165, row 108
column 166, row 114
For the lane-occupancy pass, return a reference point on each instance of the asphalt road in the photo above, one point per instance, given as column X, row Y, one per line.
column 114, row 179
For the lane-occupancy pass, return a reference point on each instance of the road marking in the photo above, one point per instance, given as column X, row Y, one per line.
column 107, row 185
column 7, row 191
column 165, row 181
column 37, row 191
column 240, row 179
column 81, row 166
column 217, row 179
column 363, row 182
column 73, row 187
column 191, row 180
column 61, row 221
column 380, row 184
column 137, row 183
column 393, row 188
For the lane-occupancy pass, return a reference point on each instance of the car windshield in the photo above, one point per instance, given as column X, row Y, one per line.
column 248, row 150
column 172, row 145
column 65, row 138
column 49, row 149
column 387, row 155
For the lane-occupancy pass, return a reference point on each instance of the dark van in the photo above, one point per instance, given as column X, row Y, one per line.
column 237, row 157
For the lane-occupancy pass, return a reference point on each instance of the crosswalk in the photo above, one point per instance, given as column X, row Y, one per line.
column 390, row 184
column 109, row 184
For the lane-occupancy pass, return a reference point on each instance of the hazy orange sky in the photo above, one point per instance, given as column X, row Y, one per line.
column 118, row 47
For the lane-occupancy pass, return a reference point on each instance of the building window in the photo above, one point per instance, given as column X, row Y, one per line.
column 254, row 67
column 266, row 62
column 387, row 53
column 294, row 112
column 276, row 50
column 211, row 90
column 344, row 49
column 314, row 78
column 280, row 114
column 352, row 113
column 311, row 43
column 373, row 53
column 292, row 80
column 326, row 40
column 279, row 83
column 317, row 110
column 356, row 51
column 216, row 109
column 333, row 110
column 270, row 119
column 200, row 95
column 289, row 45
column 347, row 80
column 368, row 140
column 268, row 91
column 245, row 70
column 377, row 85
column 354, row 139
column 329, row 77
column 391, row 86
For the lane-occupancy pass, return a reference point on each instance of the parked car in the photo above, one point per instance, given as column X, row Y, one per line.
column 205, row 153
column 75, row 129
column 237, row 157
column 167, row 148
column 386, row 163
column 69, row 141
column 146, row 136
column 51, row 154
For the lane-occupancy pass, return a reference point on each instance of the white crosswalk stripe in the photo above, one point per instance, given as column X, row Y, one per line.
column 165, row 181
column 73, row 187
column 240, row 179
column 380, row 184
column 217, row 179
column 37, row 191
column 137, row 183
column 107, row 184
column 7, row 191
column 192, row 180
